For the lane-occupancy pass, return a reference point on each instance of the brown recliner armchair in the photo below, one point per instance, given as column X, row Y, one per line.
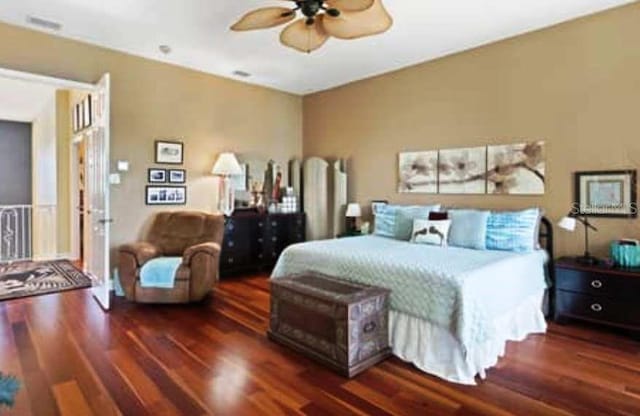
column 196, row 236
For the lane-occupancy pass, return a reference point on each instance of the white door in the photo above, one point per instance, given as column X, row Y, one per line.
column 97, row 181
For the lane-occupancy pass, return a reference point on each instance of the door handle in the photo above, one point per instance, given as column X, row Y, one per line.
column 106, row 221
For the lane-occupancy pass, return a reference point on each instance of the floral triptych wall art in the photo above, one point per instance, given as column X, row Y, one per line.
column 516, row 169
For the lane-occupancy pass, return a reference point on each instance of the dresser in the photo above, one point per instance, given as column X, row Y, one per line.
column 599, row 294
column 253, row 242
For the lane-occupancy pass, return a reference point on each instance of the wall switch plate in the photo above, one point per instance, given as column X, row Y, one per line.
column 123, row 166
column 114, row 179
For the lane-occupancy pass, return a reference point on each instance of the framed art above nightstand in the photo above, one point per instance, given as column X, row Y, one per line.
column 598, row 294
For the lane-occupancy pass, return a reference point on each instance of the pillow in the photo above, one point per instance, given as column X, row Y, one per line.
column 468, row 228
column 405, row 216
column 430, row 232
column 385, row 223
column 396, row 221
column 438, row 216
column 513, row 231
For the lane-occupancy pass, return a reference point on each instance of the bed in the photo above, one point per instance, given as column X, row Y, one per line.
column 452, row 309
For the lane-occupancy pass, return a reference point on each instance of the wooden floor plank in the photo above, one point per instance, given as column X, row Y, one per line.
column 214, row 358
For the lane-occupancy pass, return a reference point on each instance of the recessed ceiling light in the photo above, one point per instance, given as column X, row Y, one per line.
column 165, row 49
column 44, row 23
column 241, row 74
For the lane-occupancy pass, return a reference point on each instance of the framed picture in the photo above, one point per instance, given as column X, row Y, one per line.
column 166, row 195
column 157, row 175
column 74, row 119
column 177, row 176
column 516, row 169
column 86, row 105
column 376, row 206
column 606, row 194
column 418, row 172
column 462, row 171
column 169, row 153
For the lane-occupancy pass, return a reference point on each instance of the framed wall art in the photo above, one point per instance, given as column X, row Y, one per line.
column 169, row 152
column 177, row 176
column 157, row 175
column 462, row 171
column 166, row 195
column 418, row 172
column 516, row 169
column 606, row 194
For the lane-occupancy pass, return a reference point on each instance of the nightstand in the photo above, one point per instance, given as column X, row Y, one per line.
column 599, row 294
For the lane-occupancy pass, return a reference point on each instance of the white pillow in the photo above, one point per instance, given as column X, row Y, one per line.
column 430, row 232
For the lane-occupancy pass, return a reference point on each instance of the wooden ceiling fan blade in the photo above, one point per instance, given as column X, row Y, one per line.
column 304, row 38
column 350, row 5
column 264, row 18
column 352, row 25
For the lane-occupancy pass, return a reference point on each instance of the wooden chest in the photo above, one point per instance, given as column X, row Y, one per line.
column 342, row 325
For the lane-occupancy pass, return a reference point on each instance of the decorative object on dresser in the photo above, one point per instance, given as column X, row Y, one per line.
column 354, row 212
column 340, row 324
column 169, row 152
column 606, row 193
column 253, row 241
column 625, row 252
column 598, row 294
column 226, row 166
column 568, row 223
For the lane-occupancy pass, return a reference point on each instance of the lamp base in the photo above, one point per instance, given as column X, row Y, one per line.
column 587, row 260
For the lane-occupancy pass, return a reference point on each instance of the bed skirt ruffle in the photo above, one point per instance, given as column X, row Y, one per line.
column 434, row 349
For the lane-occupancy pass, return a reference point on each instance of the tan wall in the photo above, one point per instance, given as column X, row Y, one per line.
column 576, row 85
column 151, row 100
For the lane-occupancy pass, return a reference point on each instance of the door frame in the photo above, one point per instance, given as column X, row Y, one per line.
column 61, row 83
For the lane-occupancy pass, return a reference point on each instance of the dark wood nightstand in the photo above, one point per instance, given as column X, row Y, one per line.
column 599, row 294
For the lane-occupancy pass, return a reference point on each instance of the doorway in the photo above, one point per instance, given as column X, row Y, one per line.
column 68, row 216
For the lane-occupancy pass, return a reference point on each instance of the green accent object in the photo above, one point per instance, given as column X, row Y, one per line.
column 625, row 255
column 9, row 386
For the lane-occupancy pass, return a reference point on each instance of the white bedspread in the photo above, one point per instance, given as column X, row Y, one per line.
column 460, row 290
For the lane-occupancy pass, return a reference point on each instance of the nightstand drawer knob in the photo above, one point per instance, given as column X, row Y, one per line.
column 596, row 307
column 596, row 284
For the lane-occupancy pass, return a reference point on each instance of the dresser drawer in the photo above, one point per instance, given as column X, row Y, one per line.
column 598, row 308
column 595, row 283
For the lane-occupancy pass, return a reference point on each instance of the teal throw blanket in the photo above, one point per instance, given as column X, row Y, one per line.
column 160, row 272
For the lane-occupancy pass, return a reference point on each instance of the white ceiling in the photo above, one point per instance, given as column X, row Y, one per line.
column 197, row 30
column 22, row 100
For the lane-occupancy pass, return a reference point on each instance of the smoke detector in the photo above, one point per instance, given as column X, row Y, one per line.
column 241, row 74
column 44, row 23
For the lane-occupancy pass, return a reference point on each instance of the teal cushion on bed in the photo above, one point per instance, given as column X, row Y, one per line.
column 468, row 228
column 513, row 231
column 396, row 221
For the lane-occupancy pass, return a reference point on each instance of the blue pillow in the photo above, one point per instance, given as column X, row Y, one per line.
column 385, row 223
column 468, row 228
column 513, row 231
column 396, row 221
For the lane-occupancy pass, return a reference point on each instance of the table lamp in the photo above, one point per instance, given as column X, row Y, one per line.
column 226, row 166
column 568, row 223
column 353, row 213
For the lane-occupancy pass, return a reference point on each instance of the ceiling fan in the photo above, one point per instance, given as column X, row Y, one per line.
column 342, row 19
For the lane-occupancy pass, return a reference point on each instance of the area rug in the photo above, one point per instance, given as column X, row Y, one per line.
column 21, row 279
column 9, row 386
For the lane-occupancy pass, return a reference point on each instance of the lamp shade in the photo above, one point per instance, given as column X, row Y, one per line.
column 354, row 211
column 568, row 223
column 227, row 165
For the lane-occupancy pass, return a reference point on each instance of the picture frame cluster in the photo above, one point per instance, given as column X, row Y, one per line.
column 165, row 188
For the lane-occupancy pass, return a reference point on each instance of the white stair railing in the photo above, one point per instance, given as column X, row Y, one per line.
column 15, row 232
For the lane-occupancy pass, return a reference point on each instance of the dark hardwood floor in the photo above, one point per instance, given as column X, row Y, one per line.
column 214, row 358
